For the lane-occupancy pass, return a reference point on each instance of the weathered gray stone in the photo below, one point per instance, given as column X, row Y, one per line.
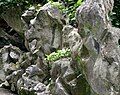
column 67, row 78
column 2, row 76
column 13, row 78
column 62, row 68
column 10, row 55
column 30, row 82
column 45, row 30
column 28, row 15
column 98, row 50
column 94, row 66
column 13, row 18
column 62, row 74
column 5, row 92
column 92, row 17
column 26, row 60
column 14, row 64
column 59, row 88
column 35, row 73
column 74, row 41
column 67, row 30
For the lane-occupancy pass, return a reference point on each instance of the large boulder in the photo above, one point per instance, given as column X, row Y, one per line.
column 13, row 18
column 98, row 51
column 92, row 18
column 45, row 30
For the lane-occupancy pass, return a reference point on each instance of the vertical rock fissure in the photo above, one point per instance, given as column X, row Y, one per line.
column 53, row 33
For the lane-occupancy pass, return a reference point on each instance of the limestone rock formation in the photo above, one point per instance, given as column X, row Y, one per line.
column 100, row 52
column 45, row 30
column 9, row 57
column 8, row 35
column 93, row 67
column 26, row 72
column 67, row 78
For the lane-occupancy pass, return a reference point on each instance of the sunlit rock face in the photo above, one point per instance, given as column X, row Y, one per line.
column 101, row 56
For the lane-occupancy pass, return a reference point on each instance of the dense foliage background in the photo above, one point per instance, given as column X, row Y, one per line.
column 116, row 14
column 69, row 8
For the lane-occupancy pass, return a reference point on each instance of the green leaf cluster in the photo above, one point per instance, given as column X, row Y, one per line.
column 68, row 7
column 57, row 55
column 71, row 7
column 6, row 4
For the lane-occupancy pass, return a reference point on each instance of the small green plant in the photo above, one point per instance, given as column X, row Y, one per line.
column 71, row 9
column 115, row 15
column 57, row 55
column 68, row 7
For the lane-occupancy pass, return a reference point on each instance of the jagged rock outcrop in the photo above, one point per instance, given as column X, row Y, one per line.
column 43, row 35
column 99, row 51
column 67, row 78
column 93, row 67
column 45, row 30
column 11, row 72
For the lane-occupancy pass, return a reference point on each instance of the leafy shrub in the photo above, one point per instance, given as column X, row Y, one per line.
column 70, row 10
column 57, row 55
column 115, row 17
column 68, row 7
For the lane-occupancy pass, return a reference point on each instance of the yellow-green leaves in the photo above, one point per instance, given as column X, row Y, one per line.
column 59, row 54
column 79, row 2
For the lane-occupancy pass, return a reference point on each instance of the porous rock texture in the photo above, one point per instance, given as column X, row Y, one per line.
column 93, row 67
